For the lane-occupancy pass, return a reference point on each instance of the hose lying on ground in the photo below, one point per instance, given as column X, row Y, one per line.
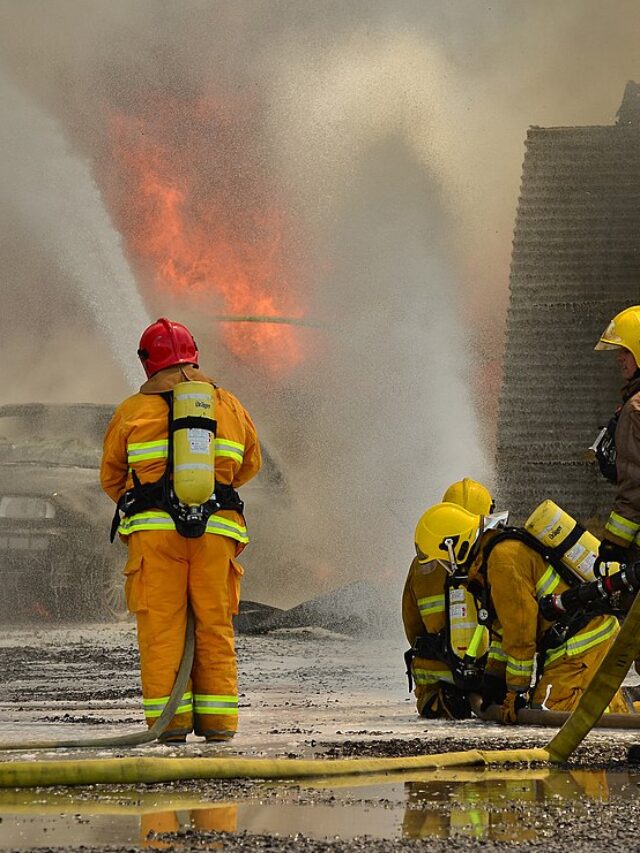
column 112, row 771
column 133, row 738
column 128, row 771
column 553, row 719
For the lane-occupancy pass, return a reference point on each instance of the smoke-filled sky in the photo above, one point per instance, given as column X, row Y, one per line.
column 354, row 164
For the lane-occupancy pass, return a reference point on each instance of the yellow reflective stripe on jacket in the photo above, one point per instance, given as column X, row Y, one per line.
column 232, row 449
column 204, row 703
column 622, row 527
column 585, row 640
column 496, row 654
column 226, row 527
column 431, row 604
column 424, row 677
column 154, row 707
column 547, row 583
column 142, row 451
column 153, row 519
column 159, row 520
column 519, row 668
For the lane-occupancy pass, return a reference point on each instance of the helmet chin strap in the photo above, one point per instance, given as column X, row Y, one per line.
column 452, row 568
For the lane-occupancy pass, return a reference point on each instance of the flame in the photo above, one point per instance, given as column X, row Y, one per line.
column 206, row 227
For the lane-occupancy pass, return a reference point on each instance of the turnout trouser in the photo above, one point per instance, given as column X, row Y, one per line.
column 164, row 571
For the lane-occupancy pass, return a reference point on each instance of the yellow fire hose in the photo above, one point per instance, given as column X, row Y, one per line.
column 595, row 699
column 601, row 690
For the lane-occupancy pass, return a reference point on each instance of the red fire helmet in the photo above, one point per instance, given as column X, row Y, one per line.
column 164, row 344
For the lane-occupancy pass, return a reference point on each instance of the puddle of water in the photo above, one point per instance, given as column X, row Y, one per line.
column 483, row 804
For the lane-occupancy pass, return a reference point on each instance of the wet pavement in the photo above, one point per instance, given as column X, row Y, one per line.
column 304, row 693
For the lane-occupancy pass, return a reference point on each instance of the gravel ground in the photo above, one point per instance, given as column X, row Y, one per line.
column 303, row 694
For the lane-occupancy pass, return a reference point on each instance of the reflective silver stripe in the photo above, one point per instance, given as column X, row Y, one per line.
column 143, row 521
column 215, row 704
column 225, row 527
column 496, row 653
column 193, row 396
column 556, row 518
column 231, row 449
column 581, row 642
column 423, row 677
column 471, row 626
column 155, row 707
column 431, row 604
column 194, row 466
column 145, row 450
column 519, row 667
column 622, row 527
column 158, row 520
column 584, row 641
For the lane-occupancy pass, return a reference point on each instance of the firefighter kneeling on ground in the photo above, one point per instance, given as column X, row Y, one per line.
column 508, row 577
column 425, row 609
column 182, row 554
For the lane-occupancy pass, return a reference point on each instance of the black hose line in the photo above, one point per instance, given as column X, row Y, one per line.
column 604, row 591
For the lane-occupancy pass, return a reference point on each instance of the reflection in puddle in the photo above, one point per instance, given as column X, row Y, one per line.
column 501, row 804
column 496, row 805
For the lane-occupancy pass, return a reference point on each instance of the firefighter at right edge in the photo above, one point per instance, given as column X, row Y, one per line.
column 166, row 571
column 622, row 529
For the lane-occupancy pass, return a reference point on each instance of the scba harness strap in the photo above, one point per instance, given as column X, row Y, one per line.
column 563, row 628
column 190, row 522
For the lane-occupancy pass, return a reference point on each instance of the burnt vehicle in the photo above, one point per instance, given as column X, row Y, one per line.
column 55, row 556
column 56, row 560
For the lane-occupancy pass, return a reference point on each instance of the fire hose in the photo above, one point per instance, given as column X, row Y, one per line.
column 133, row 738
column 601, row 689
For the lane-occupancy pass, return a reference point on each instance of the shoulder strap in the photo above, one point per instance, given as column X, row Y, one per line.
column 549, row 554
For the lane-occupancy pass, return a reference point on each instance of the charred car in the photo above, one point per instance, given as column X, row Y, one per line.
column 56, row 560
column 55, row 556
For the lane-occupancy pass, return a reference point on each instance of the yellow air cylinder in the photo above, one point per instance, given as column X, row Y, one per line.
column 193, row 442
column 465, row 636
column 555, row 528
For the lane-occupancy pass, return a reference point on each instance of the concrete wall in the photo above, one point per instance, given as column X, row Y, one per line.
column 575, row 263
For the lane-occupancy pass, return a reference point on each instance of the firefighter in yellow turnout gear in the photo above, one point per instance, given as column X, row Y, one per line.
column 424, row 610
column 509, row 577
column 179, row 554
column 622, row 529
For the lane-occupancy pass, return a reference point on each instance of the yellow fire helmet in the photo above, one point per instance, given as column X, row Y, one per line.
column 446, row 532
column 623, row 331
column 471, row 495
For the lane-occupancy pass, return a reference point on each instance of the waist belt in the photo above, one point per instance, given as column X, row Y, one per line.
column 466, row 672
column 190, row 522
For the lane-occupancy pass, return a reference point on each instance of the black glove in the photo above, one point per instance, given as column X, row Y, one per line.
column 494, row 690
column 609, row 552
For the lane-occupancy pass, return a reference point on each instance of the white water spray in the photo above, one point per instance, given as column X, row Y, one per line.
column 54, row 194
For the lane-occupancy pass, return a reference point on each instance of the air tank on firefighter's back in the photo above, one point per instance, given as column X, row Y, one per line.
column 193, row 442
column 576, row 547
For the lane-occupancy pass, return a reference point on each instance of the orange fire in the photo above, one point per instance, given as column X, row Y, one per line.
column 200, row 221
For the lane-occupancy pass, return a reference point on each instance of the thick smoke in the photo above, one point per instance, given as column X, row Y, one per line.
column 394, row 132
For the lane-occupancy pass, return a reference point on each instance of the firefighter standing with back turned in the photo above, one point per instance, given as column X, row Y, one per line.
column 179, row 555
